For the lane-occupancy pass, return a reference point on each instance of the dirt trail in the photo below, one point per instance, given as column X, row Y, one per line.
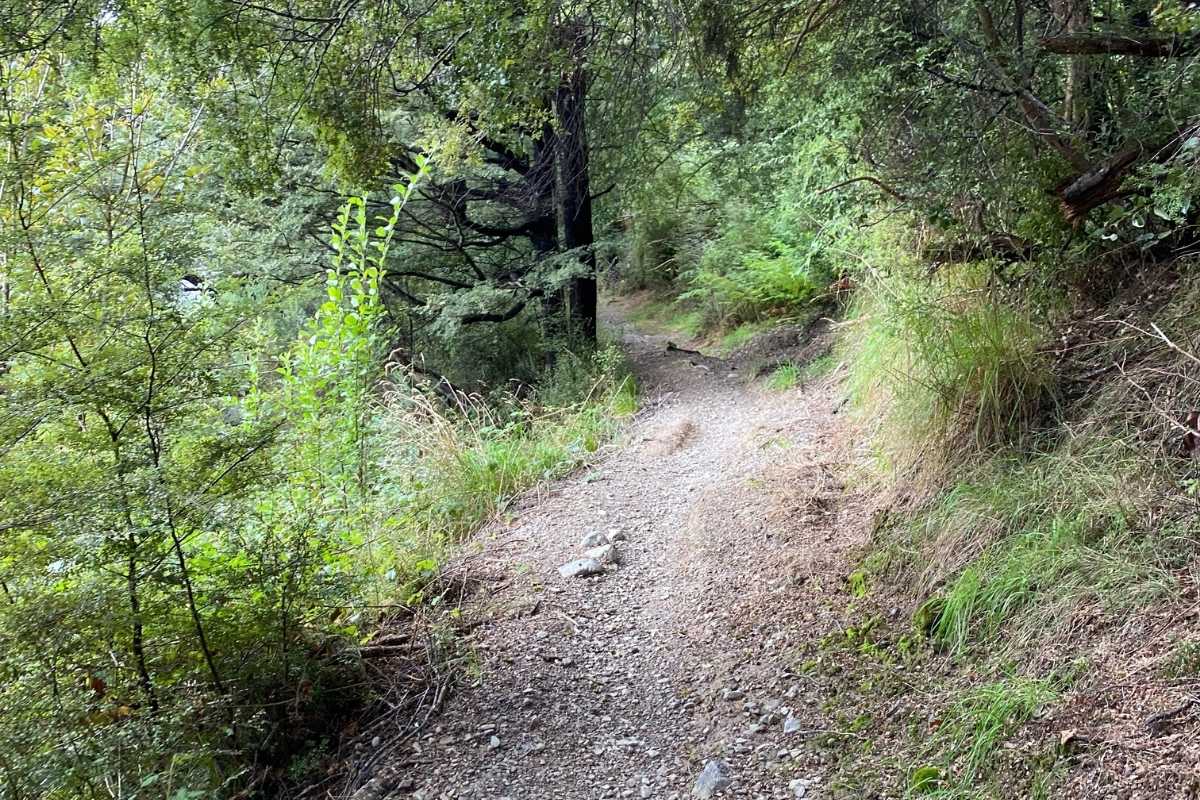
column 625, row 684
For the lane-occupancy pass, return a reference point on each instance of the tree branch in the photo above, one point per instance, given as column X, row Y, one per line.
column 1082, row 44
column 869, row 179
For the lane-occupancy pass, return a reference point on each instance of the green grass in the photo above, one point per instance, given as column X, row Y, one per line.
column 974, row 726
column 1037, row 579
column 742, row 333
column 458, row 470
column 819, row 367
column 1184, row 661
column 665, row 315
column 1024, row 542
column 783, row 378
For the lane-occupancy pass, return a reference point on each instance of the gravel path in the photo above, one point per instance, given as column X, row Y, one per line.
column 628, row 683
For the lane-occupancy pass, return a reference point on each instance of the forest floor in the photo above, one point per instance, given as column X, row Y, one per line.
column 733, row 529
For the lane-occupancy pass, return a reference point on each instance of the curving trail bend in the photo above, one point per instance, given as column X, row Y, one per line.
column 627, row 683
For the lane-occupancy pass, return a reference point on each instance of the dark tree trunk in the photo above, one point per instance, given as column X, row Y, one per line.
column 542, row 180
column 574, row 202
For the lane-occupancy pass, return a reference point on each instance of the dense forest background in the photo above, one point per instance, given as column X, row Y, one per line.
column 297, row 294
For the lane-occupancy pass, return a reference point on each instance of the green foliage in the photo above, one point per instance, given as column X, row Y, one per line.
column 819, row 367
column 457, row 470
column 1044, row 537
column 859, row 583
column 979, row 721
column 206, row 525
column 741, row 334
column 1183, row 662
column 737, row 229
column 1040, row 578
column 945, row 362
column 924, row 780
column 738, row 282
column 667, row 316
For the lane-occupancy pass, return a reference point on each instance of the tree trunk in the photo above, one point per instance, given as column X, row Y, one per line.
column 1075, row 16
column 574, row 203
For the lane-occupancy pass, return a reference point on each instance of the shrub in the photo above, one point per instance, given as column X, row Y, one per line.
column 185, row 590
column 746, row 275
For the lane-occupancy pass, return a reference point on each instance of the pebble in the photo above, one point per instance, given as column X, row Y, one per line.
column 799, row 787
column 593, row 539
column 605, row 554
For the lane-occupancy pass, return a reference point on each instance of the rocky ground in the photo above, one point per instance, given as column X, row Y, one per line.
column 637, row 617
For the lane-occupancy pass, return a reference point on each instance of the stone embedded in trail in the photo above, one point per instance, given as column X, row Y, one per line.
column 712, row 779
column 594, row 539
column 605, row 554
column 791, row 724
column 581, row 568
column 799, row 787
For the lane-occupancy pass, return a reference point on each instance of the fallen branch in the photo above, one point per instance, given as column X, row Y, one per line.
column 1156, row 723
column 674, row 348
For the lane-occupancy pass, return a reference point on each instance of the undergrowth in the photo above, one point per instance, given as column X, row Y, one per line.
column 944, row 365
column 969, row 732
column 1025, row 519
column 784, row 377
column 1031, row 539
column 665, row 314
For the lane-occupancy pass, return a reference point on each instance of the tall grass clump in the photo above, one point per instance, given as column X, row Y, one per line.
column 943, row 364
column 971, row 730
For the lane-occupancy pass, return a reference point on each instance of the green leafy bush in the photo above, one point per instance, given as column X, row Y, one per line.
column 744, row 278
column 210, row 527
